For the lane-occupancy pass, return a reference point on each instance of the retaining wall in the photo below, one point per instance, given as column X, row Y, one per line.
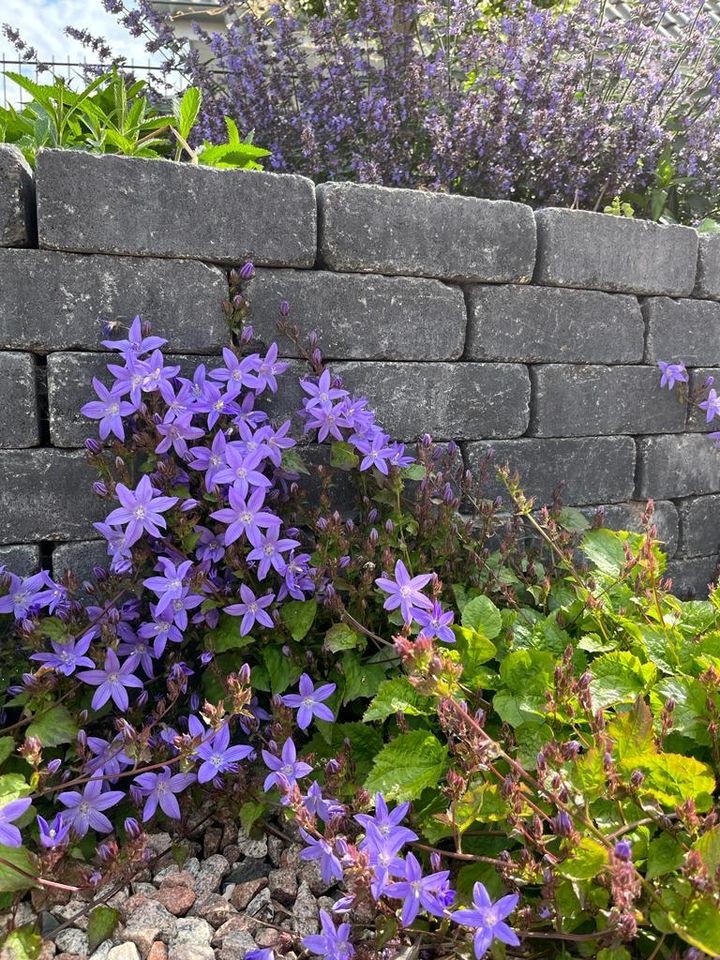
column 535, row 334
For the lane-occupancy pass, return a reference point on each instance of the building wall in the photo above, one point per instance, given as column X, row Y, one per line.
column 532, row 334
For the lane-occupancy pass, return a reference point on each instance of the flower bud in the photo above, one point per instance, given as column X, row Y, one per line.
column 247, row 271
column 373, row 536
column 54, row 766
column 623, row 850
column 100, row 489
column 561, row 824
column 132, row 828
column 284, row 308
column 389, row 526
column 92, row 445
column 426, row 440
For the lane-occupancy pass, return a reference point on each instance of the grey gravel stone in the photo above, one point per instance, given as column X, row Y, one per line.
column 21, row 559
column 59, row 301
column 532, row 324
column 699, row 526
column 596, row 251
column 80, row 557
column 677, row 466
column 253, row 847
column 361, row 317
column 215, row 909
column 690, row 577
column 237, row 947
column 687, row 330
column 18, row 226
column 104, row 950
column 123, row 205
column 595, row 469
column 124, row 951
column 707, row 283
column 370, row 229
column 72, row 941
column 192, row 930
column 586, row 401
column 147, row 921
column 47, row 495
column 261, row 906
column 283, row 886
column 305, row 911
column 19, row 422
column 192, row 951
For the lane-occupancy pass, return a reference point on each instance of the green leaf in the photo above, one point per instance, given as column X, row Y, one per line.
column 619, row 677
column 281, row 669
column 361, row 679
column 408, row 765
column 11, row 880
column 587, row 860
column 632, row 731
column 54, row 727
column 21, row 944
column 7, row 746
column 365, row 744
column 481, row 615
column 528, row 671
column 226, row 636
column 53, row 629
column 396, row 695
column 700, row 926
column 474, row 650
column 249, row 814
column 343, row 456
column 572, row 520
column 483, row 803
column 298, row 616
column 708, row 846
column 606, row 550
column 13, row 786
column 187, row 111
column 416, row 471
column 293, row 462
column 665, row 855
column 102, row 922
column 672, row 779
column 342, row 637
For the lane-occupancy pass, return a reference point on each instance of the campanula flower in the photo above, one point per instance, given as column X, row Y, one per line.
column 55, row 834
column 85, row 810
column 436, row 623
column 308, row 702
column 112, row 682
column 286, row 765
column 217, row 755
column 672, row 373
column 141, row 510
column 161, row 789
column 66, row 657
column 9, row 834
column 405, row 591
column 488, row 920
column 269, row 552
column 252, row 610
column 319, row 849
column 417, row 891
column 246, row 517
column 711, row 406
column 330, row 943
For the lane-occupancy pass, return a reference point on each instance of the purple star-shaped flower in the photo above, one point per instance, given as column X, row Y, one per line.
column 405, row 592
column 66, row 656
column 9, row 834
column 269, row 552
column 171, row 584
column 488, row 919
column 160, row 788
column 436, row 623
column 246, row 517
column 210, row 461
column 112, row 681
column 216, row 753
column 85, row 810
column 237, row 370
column 55, row 834
column 672, row 373
column 109, row 410
column 319, row 849
column 286, row 766
column 22, row 595
column 331, row 943
column 417, row 891
column 376, row 451
column 175, row 433
column 136, row 343
column 252, row 610
column 309, row 703
column 711, row 406
column 141, row 510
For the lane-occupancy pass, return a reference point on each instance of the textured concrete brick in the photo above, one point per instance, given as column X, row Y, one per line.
column 628, row 516
column 596, row 251
column 69, row 378
column 541, row 324
column 19, row 425
column 112, row 204
column 697, row 419
column 687, row 330
column 369, row 229
column 690, row 577
column 677, row 466
column 22, row 559
column 699, row 526
column 593, row 469
column 707, row 283
column 588, row 401
column 17, row 199
column 57, row 301
column 47, row 495
column 362, row 317
column 80, row 558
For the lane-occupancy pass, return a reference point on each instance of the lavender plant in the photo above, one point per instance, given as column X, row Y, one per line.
column 560, row 106
column 482, row 747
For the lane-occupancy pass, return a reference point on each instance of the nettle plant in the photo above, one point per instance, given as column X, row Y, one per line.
column 484, row 746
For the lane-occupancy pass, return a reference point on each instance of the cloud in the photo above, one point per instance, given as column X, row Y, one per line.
column 42, row 24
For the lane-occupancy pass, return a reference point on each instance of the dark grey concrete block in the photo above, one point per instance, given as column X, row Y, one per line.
column 699, row 526
column 628, row 516
column 369, row 229
column 707, row 283
column 596, row 251
column 588, row 401
column 687, row 330
column 532, row 324
column 19, row 425
column 677, row 466
column 17, row 199
column 593, row 469
column 362, row 317
column 157, row 208
column 22, row 559
column 691, row 577
column 47, row 495
column 59, row 301
column 80, row 558
column 69, row 378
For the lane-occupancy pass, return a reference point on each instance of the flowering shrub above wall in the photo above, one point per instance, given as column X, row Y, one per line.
column 482, row 746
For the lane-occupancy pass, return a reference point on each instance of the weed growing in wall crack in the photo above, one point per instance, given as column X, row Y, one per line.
column 482, row 746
